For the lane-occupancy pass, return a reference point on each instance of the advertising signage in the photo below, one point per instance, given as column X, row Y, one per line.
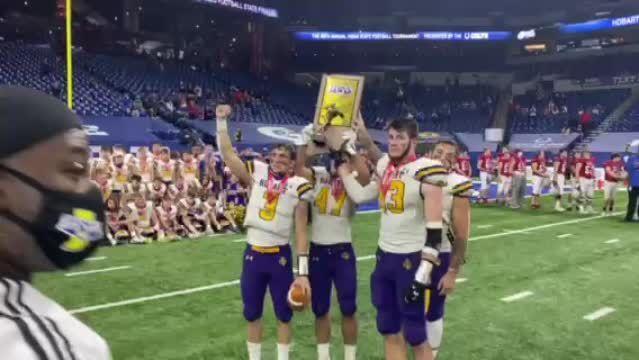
column 388, row 36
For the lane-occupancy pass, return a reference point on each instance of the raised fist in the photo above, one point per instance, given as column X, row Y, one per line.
column 223, row 111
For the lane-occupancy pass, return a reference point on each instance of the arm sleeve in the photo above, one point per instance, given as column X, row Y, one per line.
column 432, row 172
column 304, row 191
column 358, row 193
column 463, row 189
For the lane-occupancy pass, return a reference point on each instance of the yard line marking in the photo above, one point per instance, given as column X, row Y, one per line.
column 523, row 232
column 362, row 258
column 518, row 296
column 239, row 240
column 562, row 236
column 78, row 273
column 96, row 258
column 486, row 226
column 369, row 211
column 461, row 280
column 611, row 241
column 153, row 297
column 599, row 313
column 545, row 226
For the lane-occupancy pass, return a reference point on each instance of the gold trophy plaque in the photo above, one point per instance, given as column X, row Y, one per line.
column 338, row 104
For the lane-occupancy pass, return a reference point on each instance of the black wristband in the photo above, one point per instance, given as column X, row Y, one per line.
column 433, row 238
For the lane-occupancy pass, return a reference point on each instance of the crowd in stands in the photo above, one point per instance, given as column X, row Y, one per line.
column 554, row 112
column 629, row 123
column 144, row 86
column 179, row 91
column 163, row 195
column 38, row 67
column 450, row 107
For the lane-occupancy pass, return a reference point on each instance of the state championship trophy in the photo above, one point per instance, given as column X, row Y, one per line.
column 338, row 105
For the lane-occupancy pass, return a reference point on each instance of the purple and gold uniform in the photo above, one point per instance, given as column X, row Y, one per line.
column 234, row 195
column 269, row 220
column 401, row 239
column 332, row 259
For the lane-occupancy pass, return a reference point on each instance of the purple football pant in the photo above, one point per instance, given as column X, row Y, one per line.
column 262, row 269
column 435, row 303
column 390, row 280
column 333, row 264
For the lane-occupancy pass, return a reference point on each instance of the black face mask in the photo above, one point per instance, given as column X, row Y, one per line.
column 68, row 227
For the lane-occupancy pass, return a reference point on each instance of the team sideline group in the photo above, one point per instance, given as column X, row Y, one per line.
column 572, row 175
column 425, row 221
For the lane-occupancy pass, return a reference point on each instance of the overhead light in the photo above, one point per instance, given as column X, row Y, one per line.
column 115, row 18
column 26, row 3
column 526, row 34
column 602, row 13
column 139, row 8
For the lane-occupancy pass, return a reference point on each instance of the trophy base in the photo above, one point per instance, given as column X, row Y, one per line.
column 335, row 137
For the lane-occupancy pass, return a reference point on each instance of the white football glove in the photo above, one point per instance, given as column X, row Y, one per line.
column 305, row 136
column 348, row 146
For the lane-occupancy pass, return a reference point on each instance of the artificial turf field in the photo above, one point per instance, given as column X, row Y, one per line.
column 511, row 252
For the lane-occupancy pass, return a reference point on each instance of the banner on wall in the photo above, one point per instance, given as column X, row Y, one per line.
column 258, row 135
column 126, row 131
column 604, row 82
column 536, row 142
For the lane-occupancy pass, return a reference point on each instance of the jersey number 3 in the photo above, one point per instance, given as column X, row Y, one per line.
column 267, row 213
column 396, row 203
column 322, row 202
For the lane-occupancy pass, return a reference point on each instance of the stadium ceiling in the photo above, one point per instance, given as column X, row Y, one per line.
column 490, row 13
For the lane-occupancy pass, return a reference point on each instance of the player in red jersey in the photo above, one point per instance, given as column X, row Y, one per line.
column 575, row 194
column 614, row 174
column 504, row 171
column 540, row 178
column 462, row 167
column 586, row 172
column 562, row 171
column 486, row 168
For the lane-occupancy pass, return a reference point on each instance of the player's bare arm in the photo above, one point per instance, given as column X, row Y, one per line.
column 356, row 192
column 302, row 246
column 224, row 144
column 366, row 140
column 161, row 221
column 360, row 167
column 154, row 220
column 131, row 224
column 189, row 224
column 461, row 229
column 433, row 212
